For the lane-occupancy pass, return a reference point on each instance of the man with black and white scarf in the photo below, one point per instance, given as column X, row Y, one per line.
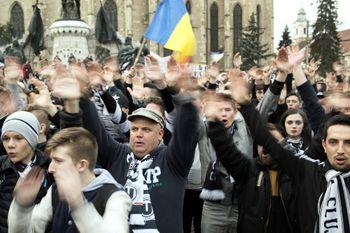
column 154, row 175
column 322, row 188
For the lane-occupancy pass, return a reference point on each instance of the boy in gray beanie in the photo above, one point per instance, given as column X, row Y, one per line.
column 24, row 123
column 20, row 136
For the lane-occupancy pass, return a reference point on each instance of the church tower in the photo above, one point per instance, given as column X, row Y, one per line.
column 301, row 32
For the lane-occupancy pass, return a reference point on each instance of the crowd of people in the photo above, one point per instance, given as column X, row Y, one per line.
column 86, row 147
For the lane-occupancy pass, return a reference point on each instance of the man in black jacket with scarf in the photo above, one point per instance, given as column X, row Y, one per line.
column 154, row 175
column 322, row 188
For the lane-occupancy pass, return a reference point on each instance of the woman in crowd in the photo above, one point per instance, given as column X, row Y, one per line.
column 295, row 128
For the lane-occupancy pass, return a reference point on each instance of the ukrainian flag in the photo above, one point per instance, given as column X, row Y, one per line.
column 172, row 28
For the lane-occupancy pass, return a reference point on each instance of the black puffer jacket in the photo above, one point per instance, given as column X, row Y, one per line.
column 8, row 180
column 254, row 187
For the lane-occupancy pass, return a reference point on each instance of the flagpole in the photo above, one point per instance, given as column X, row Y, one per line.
column 140, row 50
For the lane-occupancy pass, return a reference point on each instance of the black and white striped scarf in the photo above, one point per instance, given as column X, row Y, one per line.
column 142, row 218
column 334, row 204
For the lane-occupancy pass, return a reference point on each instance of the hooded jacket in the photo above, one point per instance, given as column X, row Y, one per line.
column 84, row 219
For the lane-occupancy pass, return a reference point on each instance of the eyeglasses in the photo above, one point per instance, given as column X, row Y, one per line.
column 296, row 122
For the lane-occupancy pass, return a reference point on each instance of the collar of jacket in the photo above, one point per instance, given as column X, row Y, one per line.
column 236, row 122
column 42, row 160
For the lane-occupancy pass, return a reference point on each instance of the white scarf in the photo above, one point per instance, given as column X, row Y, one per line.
column 27, row 169
column 142, row 218
column 334, row 204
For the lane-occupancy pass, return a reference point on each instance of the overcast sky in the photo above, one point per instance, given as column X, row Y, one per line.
column 286, row 11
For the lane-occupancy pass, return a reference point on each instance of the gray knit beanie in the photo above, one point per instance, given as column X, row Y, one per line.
column 24, row 123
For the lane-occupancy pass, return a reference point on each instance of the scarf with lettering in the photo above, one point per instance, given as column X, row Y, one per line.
column 142, row 218
column 334, row 204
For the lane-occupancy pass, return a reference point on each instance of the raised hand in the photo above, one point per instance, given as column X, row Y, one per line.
column 282, row 62
column 107, row 76
column 295, row 55
column 237, row 60
column 240, row 90
column 185, row 80
column 256, row 73
column 12, row 71
column 213, row 71
column 7, row 103
column 69, row 185
column 138, row 93
column 37, row 83
column 66, row 88
column 210, row 108
column 27, row 187
column 311, row 68
column 153, row 73
column 95, row 79
column 173, row 73
column 111, row 65
column 129, row 75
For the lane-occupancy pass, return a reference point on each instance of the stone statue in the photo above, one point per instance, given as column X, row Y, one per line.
column 16, row 50
column 70, row 9
column 127, row 54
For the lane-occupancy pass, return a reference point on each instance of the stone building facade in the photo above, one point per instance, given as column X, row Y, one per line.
column 217, row 23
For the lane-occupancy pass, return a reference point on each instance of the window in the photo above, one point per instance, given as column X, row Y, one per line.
column 188, row 7
column 237, row 27
column 112, row 13
column 304, row 31
column 17, row 20
column 214, row 28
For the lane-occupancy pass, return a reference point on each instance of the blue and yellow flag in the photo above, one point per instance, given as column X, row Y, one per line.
column 172, row 28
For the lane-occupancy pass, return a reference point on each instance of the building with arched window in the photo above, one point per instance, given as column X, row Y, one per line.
column 17, row 20
column 112, row 12
column 217, row 24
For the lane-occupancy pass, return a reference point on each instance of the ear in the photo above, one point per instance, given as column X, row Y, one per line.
column 42, row 128
column 324, row 144
column 83, row 165
column 161, row 133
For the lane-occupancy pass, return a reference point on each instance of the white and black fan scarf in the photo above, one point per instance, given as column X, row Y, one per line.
column 142, row 218
column 334, row 204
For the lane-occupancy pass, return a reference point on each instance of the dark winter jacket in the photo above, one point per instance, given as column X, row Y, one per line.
column 313, row 109
column 8, row 179
column 254, row 187
column 173, row 162
column 308, row 175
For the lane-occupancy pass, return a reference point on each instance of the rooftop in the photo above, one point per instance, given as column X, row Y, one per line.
column 301, row 16
column 345, row 39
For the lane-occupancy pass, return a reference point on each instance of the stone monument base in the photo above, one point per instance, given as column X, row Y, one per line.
column 69, row 38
